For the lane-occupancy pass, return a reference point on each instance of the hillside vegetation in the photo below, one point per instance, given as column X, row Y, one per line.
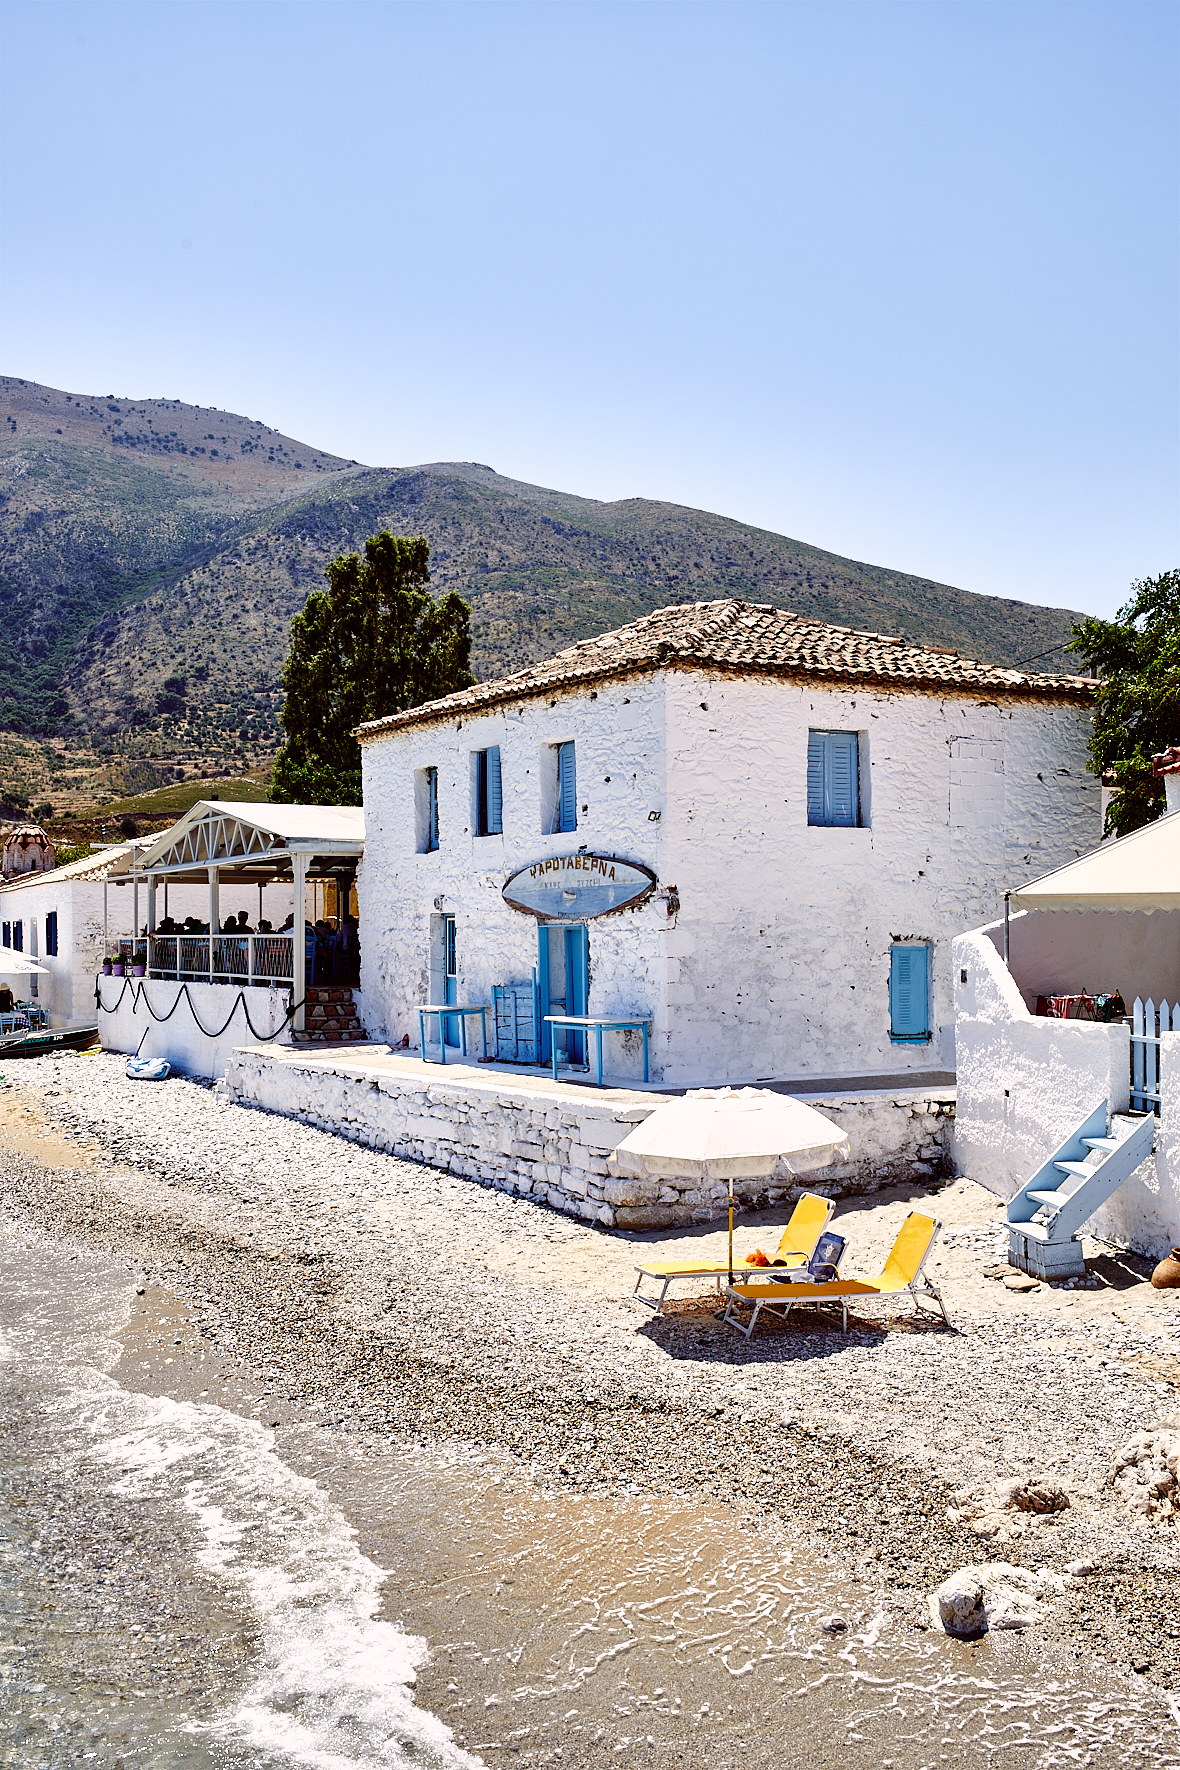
column 152, row 555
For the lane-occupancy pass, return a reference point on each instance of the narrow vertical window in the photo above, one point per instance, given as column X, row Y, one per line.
column 489, row 796
column 7, row 935
column 833, row 789
column 909, row 994
column 431, row 810
column 567, row 788
column 18, row 936
column 426, row 809
column 51, row 934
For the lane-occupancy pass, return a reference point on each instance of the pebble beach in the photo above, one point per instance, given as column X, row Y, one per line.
column 342, row 1291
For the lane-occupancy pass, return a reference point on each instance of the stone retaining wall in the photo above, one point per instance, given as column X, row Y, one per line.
column 552, row 1143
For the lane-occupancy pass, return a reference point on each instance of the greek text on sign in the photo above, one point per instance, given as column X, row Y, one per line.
column 575, row 887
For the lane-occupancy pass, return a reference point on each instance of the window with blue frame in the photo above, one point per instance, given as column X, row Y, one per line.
column 51, row 934
column 833, row 778
column 909, row 994
column 567, row 788
column 18, row 937
column 489, row 793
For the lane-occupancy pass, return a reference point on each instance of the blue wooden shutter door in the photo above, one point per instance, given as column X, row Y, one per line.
column 815, row 777
column 543, row 991
column 909, row 992
column 18, row 936
column 567, row 788
column 495, row 794
column 841, row 777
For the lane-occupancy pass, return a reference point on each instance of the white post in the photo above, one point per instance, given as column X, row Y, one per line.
column 106, row 939
column 134, row 913
column 151, row 903
column 298, row 940
column 214, row 914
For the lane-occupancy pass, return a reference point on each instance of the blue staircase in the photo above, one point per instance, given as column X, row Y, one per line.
column 1046, row 1214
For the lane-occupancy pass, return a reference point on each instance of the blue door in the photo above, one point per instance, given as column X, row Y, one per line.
column 450, row 977
column 563, row 975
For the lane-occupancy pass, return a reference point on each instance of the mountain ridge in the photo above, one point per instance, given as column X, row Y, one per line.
column 147, row 587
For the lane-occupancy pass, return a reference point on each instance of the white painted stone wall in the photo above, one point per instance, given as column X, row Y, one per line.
column 133, row 1007
column 553, row 1145
column 67, row 992
column 1026, row 1082
column 777, row 962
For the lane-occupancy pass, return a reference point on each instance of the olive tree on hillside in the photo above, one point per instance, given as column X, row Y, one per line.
column 374, row 642
column 1137, row 708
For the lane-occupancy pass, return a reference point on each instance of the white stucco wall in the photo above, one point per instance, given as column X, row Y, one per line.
column 1025, row 1083
column 134, row 1006
column 777, row 963
column 1059, row 952
column 67, row 993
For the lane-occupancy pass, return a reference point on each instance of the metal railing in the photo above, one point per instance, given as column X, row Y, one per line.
column 1148, row 1024
column 222, row 958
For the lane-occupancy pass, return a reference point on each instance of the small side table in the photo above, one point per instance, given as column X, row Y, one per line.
column 444, row 1012
column 587, row 1023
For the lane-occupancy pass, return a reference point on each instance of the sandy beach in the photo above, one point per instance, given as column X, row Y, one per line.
column 315, row 1286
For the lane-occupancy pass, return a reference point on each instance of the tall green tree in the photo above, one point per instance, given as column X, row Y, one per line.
column 1137, row 713
column 374, row 642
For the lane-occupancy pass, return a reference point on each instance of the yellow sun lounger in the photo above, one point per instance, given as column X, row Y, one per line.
column 903, row 1272
column 808, row 1221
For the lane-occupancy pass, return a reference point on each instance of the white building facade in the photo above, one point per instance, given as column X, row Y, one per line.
column 815, row 814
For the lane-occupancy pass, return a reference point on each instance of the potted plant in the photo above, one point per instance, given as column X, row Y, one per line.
column 117, row 965
column 106, row 967
column 138, row 969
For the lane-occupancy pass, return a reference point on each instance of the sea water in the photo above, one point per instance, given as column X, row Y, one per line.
column 180, row 1588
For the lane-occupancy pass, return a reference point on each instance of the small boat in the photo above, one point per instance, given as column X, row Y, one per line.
column 43, row 1041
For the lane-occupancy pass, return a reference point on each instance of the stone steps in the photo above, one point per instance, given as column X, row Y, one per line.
column 330, row 1018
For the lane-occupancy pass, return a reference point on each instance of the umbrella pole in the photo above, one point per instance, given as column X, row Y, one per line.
column 731, row 1231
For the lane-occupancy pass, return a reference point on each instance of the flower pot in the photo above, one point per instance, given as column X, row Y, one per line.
column 117, row 969
column 138, row 970
column 1166, row 1276
column 106, row 968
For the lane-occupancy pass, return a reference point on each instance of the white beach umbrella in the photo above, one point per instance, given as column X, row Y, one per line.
column 730, row 1134
column 16, row 965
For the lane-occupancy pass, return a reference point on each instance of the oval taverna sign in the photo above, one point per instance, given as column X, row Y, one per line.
column 574, row 887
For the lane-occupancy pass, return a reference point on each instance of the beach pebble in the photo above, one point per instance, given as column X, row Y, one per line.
column 833, row 1625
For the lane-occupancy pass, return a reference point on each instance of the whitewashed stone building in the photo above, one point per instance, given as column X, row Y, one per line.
column 807, row 815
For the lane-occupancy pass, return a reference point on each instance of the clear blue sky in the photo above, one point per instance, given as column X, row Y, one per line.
column 896, row 279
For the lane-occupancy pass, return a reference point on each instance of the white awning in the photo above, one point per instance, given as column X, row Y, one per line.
column 1139, row 872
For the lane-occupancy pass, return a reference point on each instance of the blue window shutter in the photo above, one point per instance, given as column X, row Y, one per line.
column 816, row 749
column 8, row 933
column 567, row 788
column 51, row 934
column 909, row 993
column 833, row 790
column 841, row 777
column 495, row 794
column 18, row 936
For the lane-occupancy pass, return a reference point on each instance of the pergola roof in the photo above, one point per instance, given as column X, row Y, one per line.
column 255, row 840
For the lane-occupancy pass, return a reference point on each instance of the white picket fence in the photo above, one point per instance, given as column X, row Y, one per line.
column 1148, row 1023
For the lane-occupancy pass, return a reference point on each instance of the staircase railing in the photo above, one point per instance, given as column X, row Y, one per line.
column 1148, row 1023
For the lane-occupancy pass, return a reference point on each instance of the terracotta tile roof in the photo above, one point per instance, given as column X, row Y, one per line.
column 746, row 639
